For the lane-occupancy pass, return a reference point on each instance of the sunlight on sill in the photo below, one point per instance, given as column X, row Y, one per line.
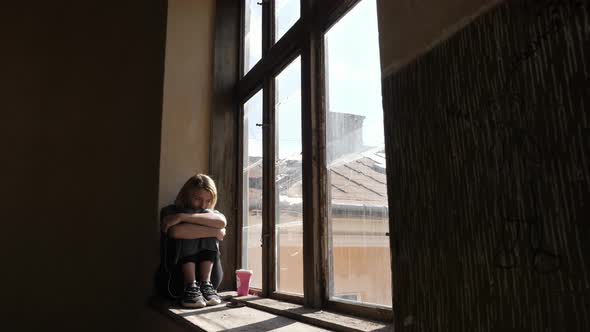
column 263, row 314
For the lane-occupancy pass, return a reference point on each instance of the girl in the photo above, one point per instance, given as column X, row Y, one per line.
column 193, row 231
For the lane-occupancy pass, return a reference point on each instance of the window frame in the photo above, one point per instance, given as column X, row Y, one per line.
column 306, row 39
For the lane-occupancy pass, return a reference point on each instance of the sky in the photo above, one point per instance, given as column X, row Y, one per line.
column 353, row 80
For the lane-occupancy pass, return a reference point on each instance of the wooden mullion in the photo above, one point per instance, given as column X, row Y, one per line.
column 277, row 58
column 267, row 155
column 224, row 121
column 268, row 189
column 240, row 156
column 324, row 192
column 265, row 189
column 268, row 286
column 311, row 156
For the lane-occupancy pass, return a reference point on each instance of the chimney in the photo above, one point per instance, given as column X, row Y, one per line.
column 344, row 135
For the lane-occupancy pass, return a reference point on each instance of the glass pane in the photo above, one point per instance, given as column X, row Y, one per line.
column 252, row 190
column 355, row 155
column 252, row 33
column 287, row 12
column 288, row 196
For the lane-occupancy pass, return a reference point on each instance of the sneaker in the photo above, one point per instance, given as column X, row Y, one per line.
column 192, row 297
column 209, row 293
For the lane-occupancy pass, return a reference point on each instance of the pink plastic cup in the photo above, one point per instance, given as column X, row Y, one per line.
column 243, row 281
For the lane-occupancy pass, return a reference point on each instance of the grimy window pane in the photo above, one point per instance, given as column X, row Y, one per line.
column 287, row 12
column 288, row 173
column 355, row 156
column 252, row 190
column 252, row 34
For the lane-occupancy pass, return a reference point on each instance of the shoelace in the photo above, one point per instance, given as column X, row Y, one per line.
column 192, row 291
column 208, row 290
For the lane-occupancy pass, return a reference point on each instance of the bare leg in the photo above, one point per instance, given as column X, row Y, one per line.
column 188, row 272
column 205, row 268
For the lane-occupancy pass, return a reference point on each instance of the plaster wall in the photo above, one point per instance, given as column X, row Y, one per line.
column 410, row 28
column 487, row 145
column 188, row 89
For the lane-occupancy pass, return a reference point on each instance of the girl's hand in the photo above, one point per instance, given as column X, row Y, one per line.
column 170, row 220
column 220, row 234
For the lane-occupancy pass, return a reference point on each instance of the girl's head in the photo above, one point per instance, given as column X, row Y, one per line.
column 198, row 192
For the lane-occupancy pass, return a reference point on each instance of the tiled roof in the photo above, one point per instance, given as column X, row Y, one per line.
column 356, row 179
column 360, row 179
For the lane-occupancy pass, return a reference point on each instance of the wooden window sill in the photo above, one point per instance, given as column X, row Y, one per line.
column 264, row 314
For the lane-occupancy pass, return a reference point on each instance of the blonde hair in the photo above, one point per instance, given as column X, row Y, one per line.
column 196, row 182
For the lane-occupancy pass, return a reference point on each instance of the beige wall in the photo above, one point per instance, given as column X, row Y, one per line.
column 187, row 94
column 409, row 28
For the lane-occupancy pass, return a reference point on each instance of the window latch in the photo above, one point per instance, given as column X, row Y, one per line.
column 263, row 125
column 263, row 237
column 262, row 2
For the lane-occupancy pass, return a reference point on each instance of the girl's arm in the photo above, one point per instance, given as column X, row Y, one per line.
column 209, row 219
column 188, row 231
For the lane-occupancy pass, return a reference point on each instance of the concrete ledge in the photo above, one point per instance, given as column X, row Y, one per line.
column 226, row 317
column 263, row 314
column 321, row 318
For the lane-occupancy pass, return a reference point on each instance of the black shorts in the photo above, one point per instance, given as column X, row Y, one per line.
column 203, row 255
